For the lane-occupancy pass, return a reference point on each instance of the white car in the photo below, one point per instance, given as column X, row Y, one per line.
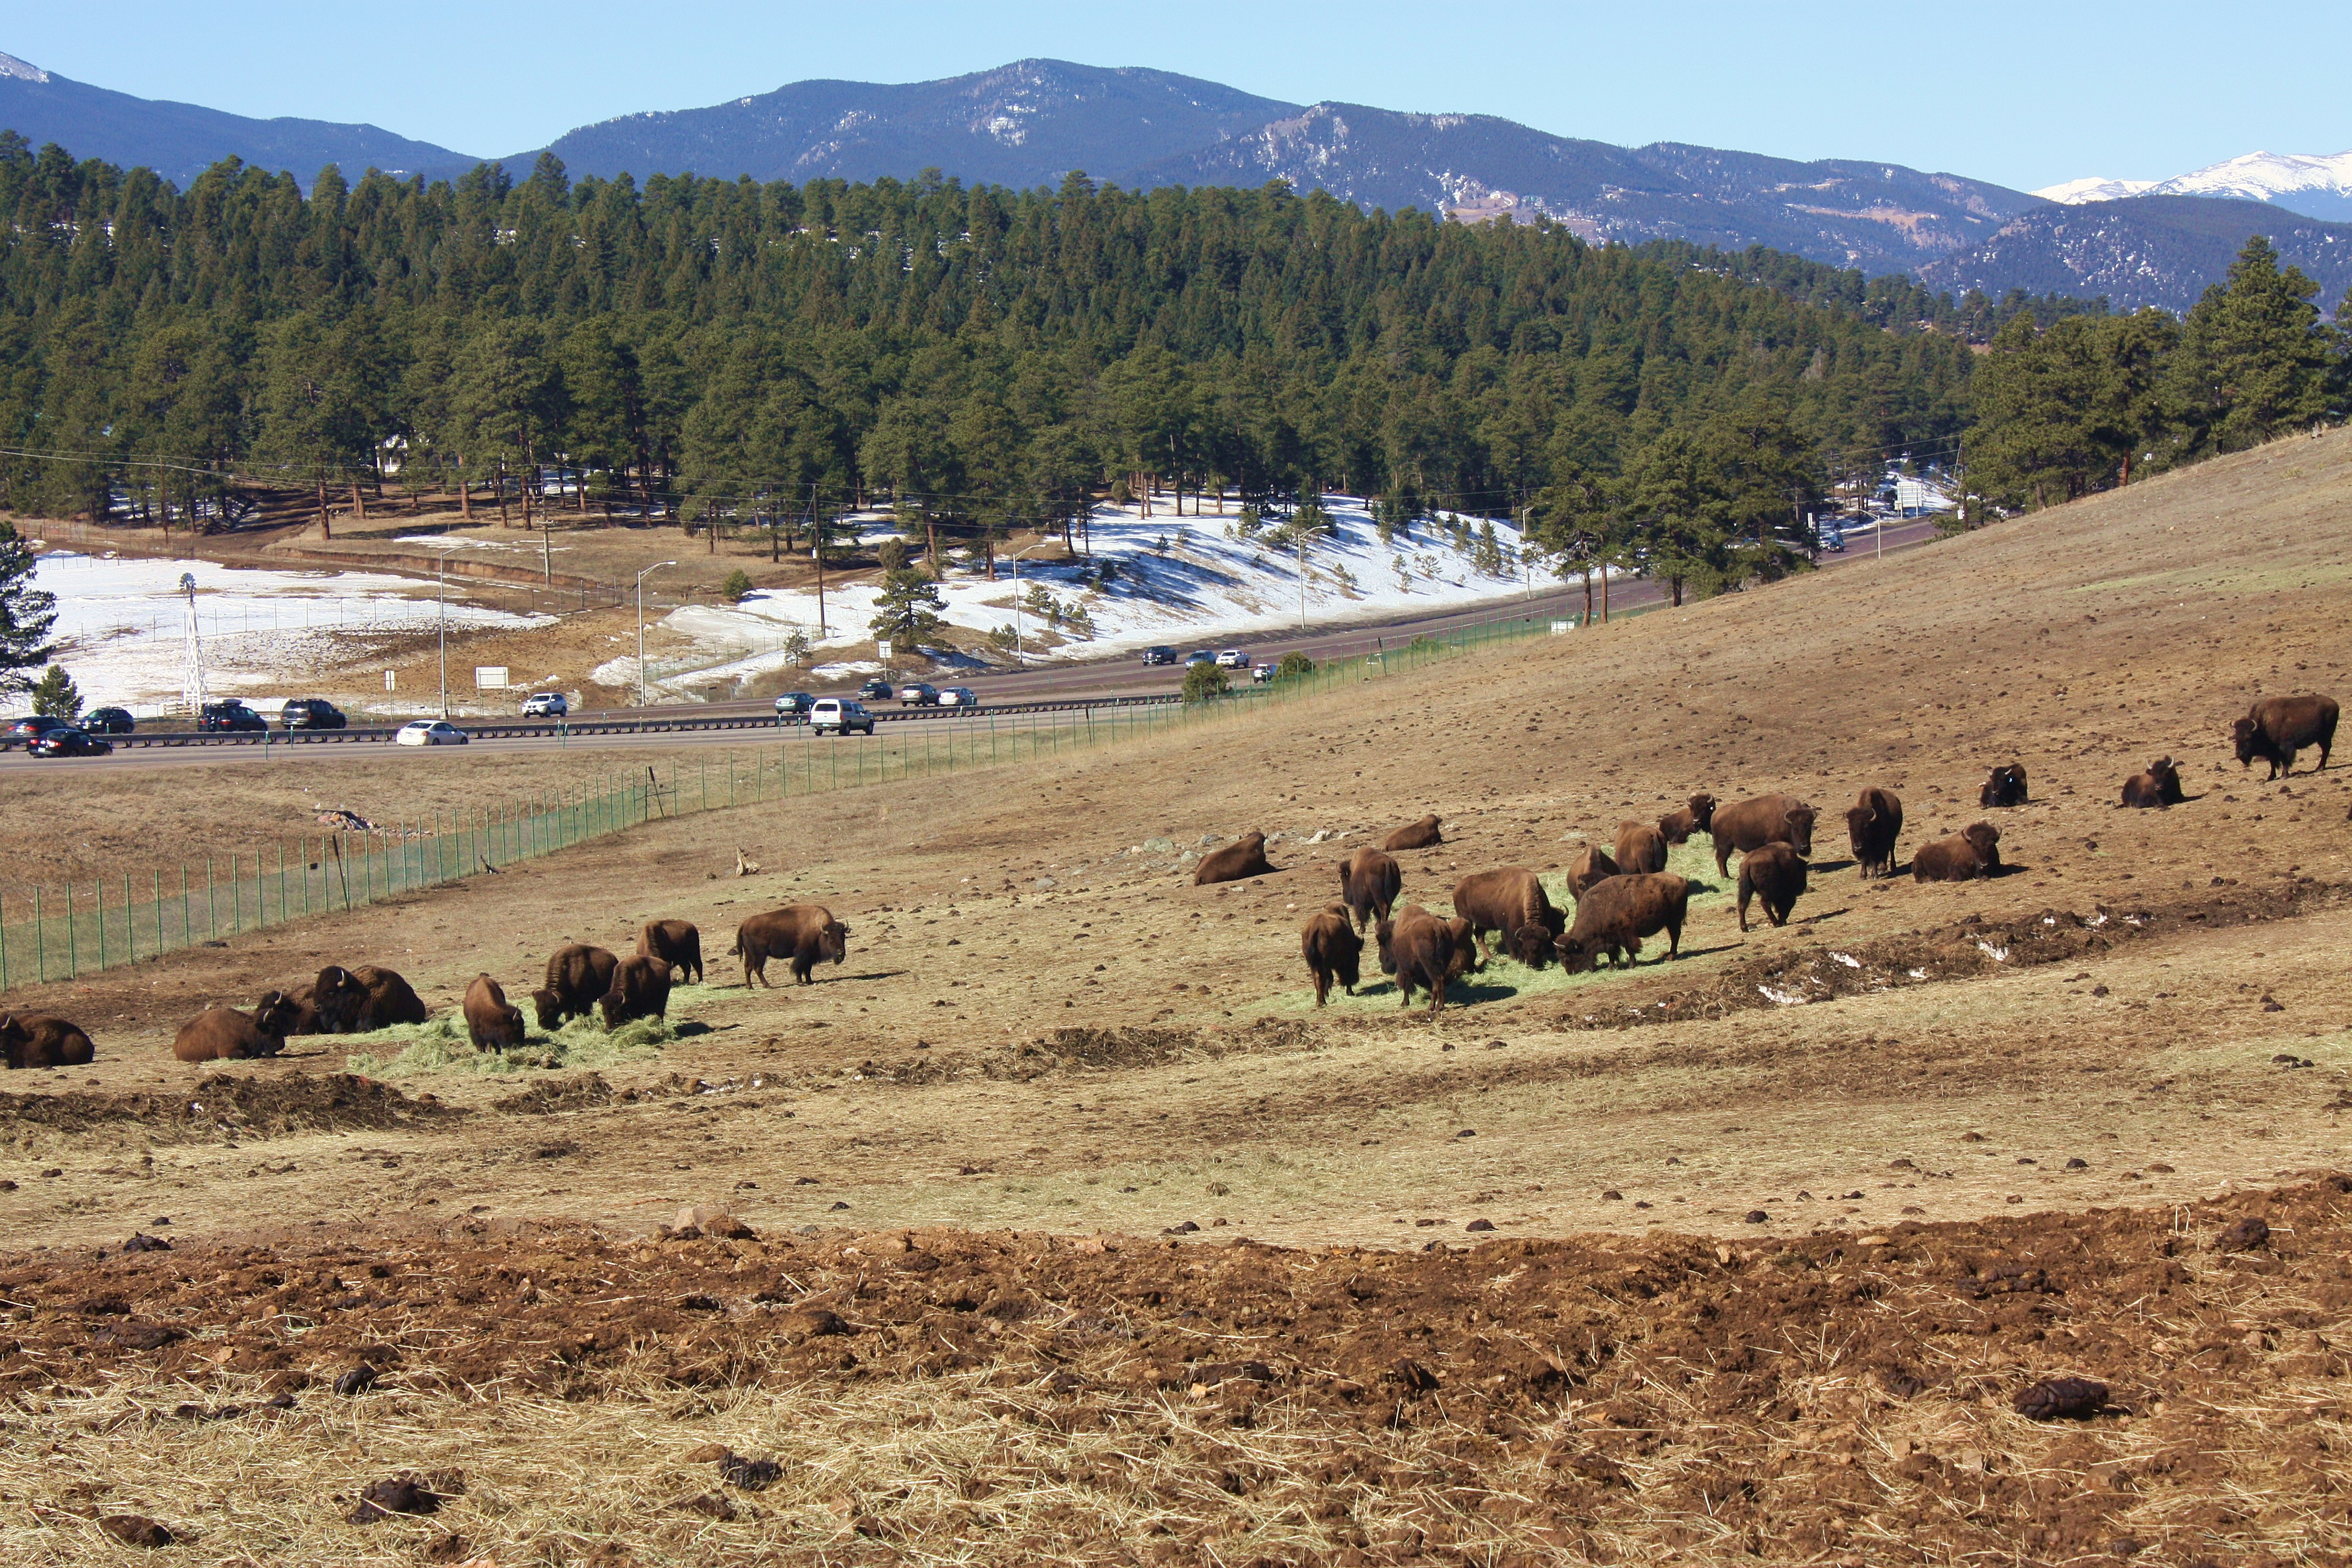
column 431, row 732
column 545, row 705
column 958, row 697
column 1232, row 659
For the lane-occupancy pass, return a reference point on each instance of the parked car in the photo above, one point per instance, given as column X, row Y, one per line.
column 1160, row 654
column 231, row 715
column 1232, row 659
column 545, row 705
column 918, row 694
column 24, row 731
column 958, row 697
column 1199, row 655
column 68, row 742
column 792, row 708
column 312, row 713
column 108, row 721
column 837, row 716
column 875, row 690
column 431, row 732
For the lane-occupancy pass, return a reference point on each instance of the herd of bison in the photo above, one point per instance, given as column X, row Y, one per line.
column 1621, row 898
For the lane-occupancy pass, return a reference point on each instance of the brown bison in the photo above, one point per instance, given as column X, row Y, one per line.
column 676, row 943
column 1698, row 816
column 1767, row 819
column 1370, row 880
column 1245, row 858
column 222, row 1034
column 1332, row 950
column 802, row 932
column 1418, row 948
column 1618, row 912
column 1966, row 856
column 2160, row 786
column 2005, row 786
column 640, row 990
column 44, row 1040
column 2277, row 728
column 1590, row 864
column 1421, row 835
column 1640, row 848
column 1874, row 822
column 1464, row 947
column 1511, row 903
column 1775, row 873
column 331, row 1005
column 577, row 978
column 390, row 1000
column 490, row 1023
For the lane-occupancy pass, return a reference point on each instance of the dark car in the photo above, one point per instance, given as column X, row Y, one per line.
column 312, row 713
column 875, row 690
column 24, row 731
column 69, row 742
column 1199, row 655
column 792, row 708
column 1162, row 655
column 108, row 721
column 231, row 715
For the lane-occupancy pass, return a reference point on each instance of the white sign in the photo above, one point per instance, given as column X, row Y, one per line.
column 489, row 677
column 389, row 677
column 882, row 649
column 1560, row 629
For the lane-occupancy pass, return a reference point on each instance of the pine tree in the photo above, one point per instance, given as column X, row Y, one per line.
column 908, row 608
column 2253, row 361
column 56, row 696
column 26, row 614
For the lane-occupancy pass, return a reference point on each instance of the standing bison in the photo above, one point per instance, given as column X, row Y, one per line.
column 2277, row 728
column 677, row 943
column 1332, row 950
column 490, row 1023
column 1963, row 858
column 1618, row 912
column 640, row 990
column 1421, row 835
column 1511, row 903
column 44, row 1040
column 1370, row 882
column 1640, row 848
column 1874, row 822
column 1775, row 873
column 2158, row 786
column 224, row 1034
column 804, row 933
column 1418, row 948
column 1245, row 858
column 2004, row 787
column 1698, row 816
column 577, row 978
column 1766, row 819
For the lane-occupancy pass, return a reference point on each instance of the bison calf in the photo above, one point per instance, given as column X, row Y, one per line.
column 1618, row 912
column 640, row 990
column 1370, row 882
column 1766, row 819
column 577, row 978
column 1640, row 848
column 1698, row 816
column 2277, row 728
column 803, row 933
column 1242, row 858
column 1421, row 835
column 1332, row 950
column 2158, row 786
column 224, row 1034
column 2004, row 787
column 1590, row 864
column 1874, row 822
column 44, row 1040
column 1963, row 858
column 1418, row 948
column 676, row 943
column 490, row 1023
column 1775, row 873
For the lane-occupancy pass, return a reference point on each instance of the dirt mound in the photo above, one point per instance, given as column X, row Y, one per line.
column 582, row 1093
column 226, row 1106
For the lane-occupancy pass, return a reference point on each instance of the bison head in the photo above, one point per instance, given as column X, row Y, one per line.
column 1801, row 830
column 550, row 1009
column 1383, row 932
column 1702, row 810
column 276, row 1014
column 2248, row 735
column 1982, row 837
column 1575, row 956
column 834, row 941
column 13, row 1038
column 1531, row 944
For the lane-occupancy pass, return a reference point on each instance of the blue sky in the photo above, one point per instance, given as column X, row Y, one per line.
column 2023, row 95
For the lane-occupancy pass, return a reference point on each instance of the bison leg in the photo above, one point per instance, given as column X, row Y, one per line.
column 1322, row 985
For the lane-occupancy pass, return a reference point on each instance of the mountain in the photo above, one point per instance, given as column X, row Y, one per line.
column 2313, row 187
column 2097, row 188
column 2148, row 251
column 178, row 141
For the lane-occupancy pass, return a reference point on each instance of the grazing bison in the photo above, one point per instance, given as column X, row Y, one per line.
column 1874, row 822
column 674, row 943
column 1418, row 948
column 1465, row 946
column 1246, row 857
column 489, row 1021
column 2277, row 728
column 1370, row 882
column 1332, row 950
column 1421, row 835
column 1640, row 848
column 1966, row 856
column 1619, row 912
column 1511, row 903
column 1590, row 864
column 1698, row 816
column 390, row 1000
column 802, row 932
column 640, row 990
column 577, row 978
column 2160, row 786
column 2004, row 787
column 1767, row 819
column 1775, row 873
column 44, row 1040
column 222, row 1034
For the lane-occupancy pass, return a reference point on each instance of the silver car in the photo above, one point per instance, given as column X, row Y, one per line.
column 958, row 697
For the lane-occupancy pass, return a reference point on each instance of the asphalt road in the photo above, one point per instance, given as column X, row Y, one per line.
column 1119, row 675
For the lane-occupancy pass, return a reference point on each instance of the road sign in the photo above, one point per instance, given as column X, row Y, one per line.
column 389, row 678
column 489, row 677
column 882, row 649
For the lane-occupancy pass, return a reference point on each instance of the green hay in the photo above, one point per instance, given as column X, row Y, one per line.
column 416, row 1050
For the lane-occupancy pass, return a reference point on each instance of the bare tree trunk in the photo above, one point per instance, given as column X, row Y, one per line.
column 326, row 529
column 502, row 492
column 1604, row 592
column 359, row 502
column 464, row 496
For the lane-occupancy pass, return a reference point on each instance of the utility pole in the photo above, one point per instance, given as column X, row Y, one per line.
column 816, row 549
column 441, row 565
column 1016, row 610
column 641, row 626
column 1302, row 581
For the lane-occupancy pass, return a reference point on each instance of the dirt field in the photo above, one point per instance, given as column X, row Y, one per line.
column 1130, row 1255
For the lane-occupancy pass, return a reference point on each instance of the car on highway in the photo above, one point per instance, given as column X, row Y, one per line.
column 229, row 716
column 1232, row 659
column 1160, row 654
column 311, row 713
column 792, row 708
column 24, row 731
column 836, row 716
column 69, row 742
column 545, row 705
column 875, row 690
column 431, row 732
column 918, row 694
column 1262, row 673
column 1199, row 655
column 108, row 721
column 960, row 698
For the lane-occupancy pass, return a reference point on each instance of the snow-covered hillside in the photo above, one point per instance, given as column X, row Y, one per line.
column 2316, row 186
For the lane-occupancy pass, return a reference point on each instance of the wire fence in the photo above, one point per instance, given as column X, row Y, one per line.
column 59, row 932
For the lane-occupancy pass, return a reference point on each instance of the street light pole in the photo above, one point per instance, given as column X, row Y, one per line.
column 441, row 565
column 641, row 625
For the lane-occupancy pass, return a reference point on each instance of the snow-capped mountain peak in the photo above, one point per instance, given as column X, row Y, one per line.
column 2316, row 186
column 10, row 66
column 2093, row 189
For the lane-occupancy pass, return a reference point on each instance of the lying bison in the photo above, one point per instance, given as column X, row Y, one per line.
column 1418, row 948
column 640, row 990
column 1874, row 822
column 1766, row 819
column 1511, row 903
column 674, row 943
column 1775, row 873
column 2003, row 788
column 2277, row 728
column 1332, row 950
column 490, row 1023
column 1245, row 858
column 2158, row 786
column 1618, row 912
column 390, row 1000
column 333, row 1004
column 44, row 1040
column 1421, row 835
column 804, row 933
column 577, row 978
column 223, row 1034
column 1640, row 848
column 1370, row 880
column 1590, row 864
column 1966, row 856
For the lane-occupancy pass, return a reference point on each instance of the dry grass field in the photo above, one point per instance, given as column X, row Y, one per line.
column 1074, row 1231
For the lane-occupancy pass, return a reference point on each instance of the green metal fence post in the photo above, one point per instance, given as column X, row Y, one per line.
column 73, row 952
column 40, row 941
